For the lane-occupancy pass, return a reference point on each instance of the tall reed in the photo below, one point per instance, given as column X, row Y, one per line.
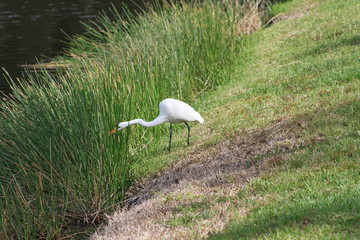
column 59, row 167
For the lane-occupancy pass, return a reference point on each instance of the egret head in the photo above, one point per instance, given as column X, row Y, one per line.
column 122, row 125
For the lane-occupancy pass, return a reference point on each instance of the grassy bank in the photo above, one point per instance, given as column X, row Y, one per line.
column 308, row 71
column 279, row 155
column 61, row 171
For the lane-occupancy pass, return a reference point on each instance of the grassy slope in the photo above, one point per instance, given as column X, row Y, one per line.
column 306, row 69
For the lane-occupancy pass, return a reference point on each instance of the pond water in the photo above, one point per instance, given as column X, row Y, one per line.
column 37, row 29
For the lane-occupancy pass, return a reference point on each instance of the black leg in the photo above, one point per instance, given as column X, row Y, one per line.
column 188, row 132
column 170, row 136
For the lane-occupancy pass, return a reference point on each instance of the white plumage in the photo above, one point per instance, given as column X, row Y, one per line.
column 172, row 111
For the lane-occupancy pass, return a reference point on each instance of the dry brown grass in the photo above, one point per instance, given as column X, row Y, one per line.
column 149, row 219
column 252, row 19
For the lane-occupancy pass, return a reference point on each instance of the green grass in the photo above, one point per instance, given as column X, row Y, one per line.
column 305, row 69
column 280, row 7
column 314, row 192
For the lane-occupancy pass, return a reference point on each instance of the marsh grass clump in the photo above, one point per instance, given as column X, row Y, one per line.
column 60, row 170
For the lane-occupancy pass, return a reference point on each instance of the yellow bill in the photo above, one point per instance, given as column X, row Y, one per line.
column 113, row 131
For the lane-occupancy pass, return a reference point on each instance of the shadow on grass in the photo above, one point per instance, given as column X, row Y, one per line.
column 331, row 46
column 326, row 200
column 341, row 212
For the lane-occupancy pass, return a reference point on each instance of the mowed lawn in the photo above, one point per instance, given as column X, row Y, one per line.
column 305, row 69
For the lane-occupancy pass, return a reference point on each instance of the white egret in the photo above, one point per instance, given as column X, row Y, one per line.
column 172, row 111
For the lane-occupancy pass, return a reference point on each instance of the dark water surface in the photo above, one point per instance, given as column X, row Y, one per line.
column 31, row 29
